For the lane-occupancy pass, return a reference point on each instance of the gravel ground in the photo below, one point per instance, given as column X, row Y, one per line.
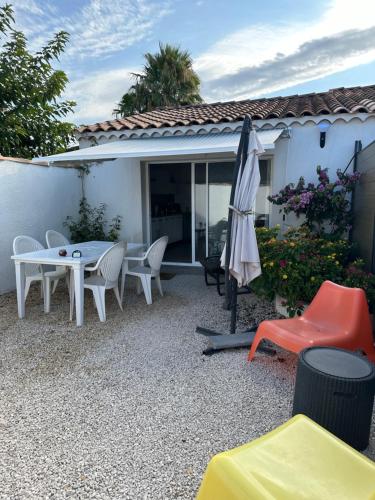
column 129, row 409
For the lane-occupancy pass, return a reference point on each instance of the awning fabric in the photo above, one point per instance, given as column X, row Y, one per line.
column 163, row 146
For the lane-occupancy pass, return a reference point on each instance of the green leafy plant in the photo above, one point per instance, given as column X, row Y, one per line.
column 326, row 205
column 294, row 267
column 30, row 111
column 91, row 224
column 356, row 276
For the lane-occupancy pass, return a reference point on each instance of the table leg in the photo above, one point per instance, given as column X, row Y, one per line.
column 79, row 293
column 71, row 293
column 20, row 283
column 47, row 295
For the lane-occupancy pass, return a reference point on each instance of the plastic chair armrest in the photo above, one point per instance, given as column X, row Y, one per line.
column 91, row 269
column 140, row 258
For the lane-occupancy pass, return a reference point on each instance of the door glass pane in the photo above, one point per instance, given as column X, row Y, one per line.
column 170, row 190
column 262, row 205
column 220, row 176
column 200, row 210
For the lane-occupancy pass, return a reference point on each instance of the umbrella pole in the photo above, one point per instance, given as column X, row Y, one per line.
column 217, row 340
column 231, row 287
column 233, row 306
column 240, row 163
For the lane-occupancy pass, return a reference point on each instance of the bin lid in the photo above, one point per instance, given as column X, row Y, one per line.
column 337, row 362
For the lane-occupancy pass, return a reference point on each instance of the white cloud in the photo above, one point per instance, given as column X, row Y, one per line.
column 97, row 28
column 36, row 20
column 104, row 27
column 34, row 7
column 97, row 93
column 271, row 45
column 310, row 61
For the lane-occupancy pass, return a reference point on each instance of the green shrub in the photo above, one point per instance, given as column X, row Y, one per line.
column 355, row 276
column 91, row 223
column 296, row 266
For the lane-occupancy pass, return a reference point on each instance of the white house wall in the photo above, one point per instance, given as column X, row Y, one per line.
column 118, row 185
column 32, row 199
column 292, row 157
column 301, row 154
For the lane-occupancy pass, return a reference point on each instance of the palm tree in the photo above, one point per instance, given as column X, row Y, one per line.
column 168, row 79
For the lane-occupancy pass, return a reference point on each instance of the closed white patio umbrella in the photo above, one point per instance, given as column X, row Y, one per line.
column 244, row 263
column 241, row 261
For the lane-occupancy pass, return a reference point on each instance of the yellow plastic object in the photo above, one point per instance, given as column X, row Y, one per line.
column 299, row 460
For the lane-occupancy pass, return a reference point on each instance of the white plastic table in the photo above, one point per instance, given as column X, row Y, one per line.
column 91, row 251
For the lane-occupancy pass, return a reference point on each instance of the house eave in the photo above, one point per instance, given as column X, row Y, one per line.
column 114, row 135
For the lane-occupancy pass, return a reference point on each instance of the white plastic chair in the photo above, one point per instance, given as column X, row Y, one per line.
column 107, row 270
column 145, row 273
column 35, row 272
column 55, row 239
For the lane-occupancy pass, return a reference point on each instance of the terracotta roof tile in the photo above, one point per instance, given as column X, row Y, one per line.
column 340, row 100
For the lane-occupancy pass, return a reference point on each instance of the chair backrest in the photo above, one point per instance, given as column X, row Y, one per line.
column 340, row 308
column 155, row 253
column 109, row 264
column 25, row 244
column 55, row 239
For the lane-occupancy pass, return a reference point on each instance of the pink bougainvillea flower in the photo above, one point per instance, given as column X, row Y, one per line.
column 283, row 263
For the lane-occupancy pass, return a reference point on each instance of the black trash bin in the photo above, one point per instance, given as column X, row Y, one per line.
column 335, row 388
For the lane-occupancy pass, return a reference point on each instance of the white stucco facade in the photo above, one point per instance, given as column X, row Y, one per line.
column 33, row 199
column 294, row 156
column 301, row 154
column 118, row 185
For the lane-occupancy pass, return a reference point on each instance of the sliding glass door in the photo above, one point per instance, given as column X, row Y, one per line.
column 219, row 180
column 189, row 203
column 170, row 206
column 200, row 219
column 212, row 185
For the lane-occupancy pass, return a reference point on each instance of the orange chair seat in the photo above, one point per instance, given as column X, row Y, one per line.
column 338, row 316
column 300, row 333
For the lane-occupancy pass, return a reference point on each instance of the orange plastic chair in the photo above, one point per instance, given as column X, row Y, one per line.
column 338, row 316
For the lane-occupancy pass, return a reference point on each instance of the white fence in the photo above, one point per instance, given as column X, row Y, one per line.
column 33, row 198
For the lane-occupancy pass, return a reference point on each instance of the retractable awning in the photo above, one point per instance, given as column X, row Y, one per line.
column 163, row 146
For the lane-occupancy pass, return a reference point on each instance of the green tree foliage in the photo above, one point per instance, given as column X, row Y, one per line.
column 168, row 79
column 30, row 113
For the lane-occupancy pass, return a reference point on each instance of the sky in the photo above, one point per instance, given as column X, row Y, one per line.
column 241, row 49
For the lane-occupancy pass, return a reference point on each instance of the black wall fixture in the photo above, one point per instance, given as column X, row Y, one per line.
column 323, row 127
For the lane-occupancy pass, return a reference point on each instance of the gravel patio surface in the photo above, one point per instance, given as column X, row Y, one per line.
column 129, row 409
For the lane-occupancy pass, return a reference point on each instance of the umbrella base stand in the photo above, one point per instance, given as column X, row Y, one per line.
column 219, row 342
